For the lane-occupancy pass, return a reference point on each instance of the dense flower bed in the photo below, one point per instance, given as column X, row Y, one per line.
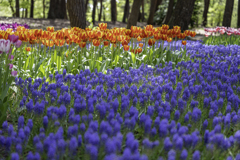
column 13, row 26
column 190, row 112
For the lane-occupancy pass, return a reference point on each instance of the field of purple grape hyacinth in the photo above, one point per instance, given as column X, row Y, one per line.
column 190, row 112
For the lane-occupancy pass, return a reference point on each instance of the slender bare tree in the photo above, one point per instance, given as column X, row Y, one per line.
column 205, row 12
column 113, row 11
column 126, row 11
column 17, row 8
column 152, row 11
column 100, row 13
column 227, row 17
column 238, row 23
column 169, row 12
column 31, row 8
column 133, row 17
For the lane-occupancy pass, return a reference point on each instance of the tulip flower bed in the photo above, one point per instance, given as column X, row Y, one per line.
column 222, row 36
column 44, row 52
column 188, row 112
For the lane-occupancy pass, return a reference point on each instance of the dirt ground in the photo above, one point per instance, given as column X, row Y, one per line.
column 63, row 23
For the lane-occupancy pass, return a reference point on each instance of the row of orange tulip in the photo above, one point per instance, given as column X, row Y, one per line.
column 98, row 35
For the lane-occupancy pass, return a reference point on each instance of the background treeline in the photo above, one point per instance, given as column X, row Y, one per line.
column 103, row 10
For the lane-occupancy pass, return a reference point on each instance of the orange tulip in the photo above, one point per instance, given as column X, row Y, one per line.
column 151, row 42
column 133, row 29
column 45, row 35
column 134, row 51
column 169, row 39
column 124, row 42
column 49, row 43
column 149, row 28
column 139, row 38
column 82, row 44
column 164, row 37
column 59, row 42
column 127, row 31
column 120, row 38
column 139, row 50
column 91, row 34
column 60, row 35
column 113, row 39
column 50, row 29
column 88, row 29
column 176, row 27
column 83, row 35
column 28, row 49
column 105, row 43
column 184, row 42
column 192, row 34
column 96, row 42
column 126, row 47
column 141, row 45
column 68, row 41
column 166, row 27
column 102, row 26
column 99, row 34
column 187, row 32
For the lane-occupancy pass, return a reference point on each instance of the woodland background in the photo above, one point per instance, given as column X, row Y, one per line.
column 57, row 9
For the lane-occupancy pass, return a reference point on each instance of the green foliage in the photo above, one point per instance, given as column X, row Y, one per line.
column 161, row 12
column 196, row 18
column 215, row 12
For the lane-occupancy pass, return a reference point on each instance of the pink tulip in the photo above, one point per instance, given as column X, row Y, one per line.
column 207, row 34
column 4, row 45
column 13, row 38
column 18, row 43
column 10, row 66
column 14, row 73
column 222, row 31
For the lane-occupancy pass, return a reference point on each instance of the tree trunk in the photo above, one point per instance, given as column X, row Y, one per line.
column 44, row 9
column 77, row 14
column 113, row 11
column 32, row 8
column 228, row 13
column 57, row 9
column 104, row 14
column 142, row 11
column 26, row 11
column 205, row 12
column 12, row 9
column 139, row 16
column 23, row 13
column 182, row 14
column 152, row 11
column 132, row 20
column 86, row 5
column 100, row 14
column 126, row 11
column 17, row 8
column 159, row 2
column 169, row 12
column 238, row 23
column 94, row 11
